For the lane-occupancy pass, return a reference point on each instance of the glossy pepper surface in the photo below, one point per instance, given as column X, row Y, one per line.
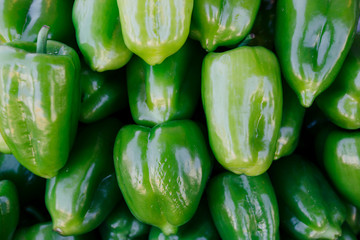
column 9, row 209
column 243, row 207
column 4, row 148
column 155, row 29
column 22, row 20
column 222, row 23
column 312, row 40
column 102, row 94
column 242, row 98
column 85, row 191
column 99, row 35
column 309, row 207
column 200, row 227
column 162, row 171
column 341, row 158
column 167, row 91
column 39, row 103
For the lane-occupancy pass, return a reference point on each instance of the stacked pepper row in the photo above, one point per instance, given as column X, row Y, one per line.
column 146, row 161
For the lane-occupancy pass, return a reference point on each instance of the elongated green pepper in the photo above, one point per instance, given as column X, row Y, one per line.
column 39, row 102
column 85, row 191
column 167, row 91
column 99, row 35
column 312, row 40
column 162, row 171
column 154, row 29
column 309, row 207
column 242, row 98
column 243, row 207
column 9, row 209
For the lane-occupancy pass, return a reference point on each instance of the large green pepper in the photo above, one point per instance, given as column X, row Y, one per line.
column 162, row 171
column 200, row 227
column 222, row 23
column 243, row 207
column 102, row 94
column 242, row 98
column 309, row 207
column 312, row 40
column 44, row 231
column 122, row 225
column 22, row 19
column 39, row 102
column 99, row 36
column 85, row 191
column 9, row 209
column 167, row 91
column 154, row 29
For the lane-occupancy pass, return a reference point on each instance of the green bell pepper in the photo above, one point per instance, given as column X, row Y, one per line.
column 85, row 191
column 340, row 102
column 39, row 103
column 353, row 217
column 162, row 171
column 102, row 94
column 4, row 148
column 9, row 209
column 309, row 207
column 200, row 227
column 122, row 225
column 154, row 30
column 98, row 33
column 291, row 123
column 44, row 231
column 30, row 187
column 222, row 23
column 243, row 207
column 166, row 91
column 242, row 98
column 22, row 20
column 312, row 40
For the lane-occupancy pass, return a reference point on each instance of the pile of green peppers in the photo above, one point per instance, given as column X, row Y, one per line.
column 179, row 119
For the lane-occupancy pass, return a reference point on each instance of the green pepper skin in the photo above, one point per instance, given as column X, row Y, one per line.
column 340, row 102
column 44, row 231
column 312, row 40
column 309, row 207
column 243, row 207
column 162, row 171
column 167, row 91
column 154, row 29
column 242, row 98
column 4, row 148
column 200, row 227
column 85, row 191
column 102, row 94
column 218, row 23
column 29, row 185
column 292, row 118
column 342, row 163
column 39, row 104
column 99, row 35
column 353, row 217
column 22, row 20
column 122, row 225
column 9, row 209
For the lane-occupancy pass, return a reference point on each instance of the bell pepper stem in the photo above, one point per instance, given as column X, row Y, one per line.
column 42, row 39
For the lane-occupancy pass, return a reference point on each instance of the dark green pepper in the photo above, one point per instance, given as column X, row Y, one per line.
column 39, row 103
column 85, row 191
column 242, row 97
column 102, row 94
column 167, row 91
column 162, row 171
column 9, row 209
column 222, row 23
column 243, row 207
column 312, row 40
column 309, row 207
column 99, row 36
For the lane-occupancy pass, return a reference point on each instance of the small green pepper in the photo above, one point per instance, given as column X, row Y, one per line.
column 9, row 209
